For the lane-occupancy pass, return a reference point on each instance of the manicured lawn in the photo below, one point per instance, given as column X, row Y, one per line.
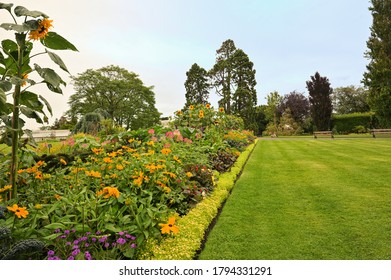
column 309, row 199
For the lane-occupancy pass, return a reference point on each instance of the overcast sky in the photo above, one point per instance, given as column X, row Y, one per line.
column 287, row 40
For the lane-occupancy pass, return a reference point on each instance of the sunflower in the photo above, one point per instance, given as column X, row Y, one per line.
column 191, row 107
column 207, row 106
column 42, row 31
column 201, row 114
column 221, row 110
column 169, row 227
column 20, row 212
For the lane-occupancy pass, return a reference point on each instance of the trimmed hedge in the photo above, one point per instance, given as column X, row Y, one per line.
column 349, row 123
column 193, row 226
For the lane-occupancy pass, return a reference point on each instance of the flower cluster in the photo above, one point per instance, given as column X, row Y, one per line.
column 90, row 246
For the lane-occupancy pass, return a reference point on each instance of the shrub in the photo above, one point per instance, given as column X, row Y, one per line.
column 347, row 123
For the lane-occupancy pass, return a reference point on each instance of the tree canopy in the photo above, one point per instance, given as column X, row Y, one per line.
column 197, row 86
column 116, row 94
column 350, row 99
column 377, row 77
column 321, row 106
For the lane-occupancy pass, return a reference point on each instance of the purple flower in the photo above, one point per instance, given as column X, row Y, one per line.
column 84, row 238
column 55, row 258
column 88, row 233
column 87, row 245
column 73, row 230
column 57, row 230
column 121, row 241
column 76, row 242
column 63, row 236
column 68, row 243
column 121, row 233
column 98, row 232
column 76, row 252
column 67, row 231
column 103, row 239
column 87, row 255
column 71, row 258
column 133, row 245
column 51, row 253
column 93, row 239
column 107, row 245
column 75, row 247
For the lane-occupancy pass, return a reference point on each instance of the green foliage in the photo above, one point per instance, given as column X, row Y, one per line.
column 320, row 98
column 116, row 94
column 376, row 78
column 197, row 86
column 349, row 123
column 350, row 99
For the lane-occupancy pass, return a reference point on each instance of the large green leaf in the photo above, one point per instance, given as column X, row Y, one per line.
column 3, row 97
column 56, row 42
column 56, row 59
column 49, row 76
column 22, row 11
column 30, row 100
column 19, row 28
column 47, row 104
column 9, row 46
column 31, row 114
column 6, row 6
column 5, row 86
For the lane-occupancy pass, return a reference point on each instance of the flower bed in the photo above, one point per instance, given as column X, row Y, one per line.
column 111, row 199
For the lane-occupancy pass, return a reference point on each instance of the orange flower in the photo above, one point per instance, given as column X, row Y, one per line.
column 107, row 160
column 92, row 173
column 191, row 107
column 165, row 151
column 221, row 110
column 62, row 161
column 42, row 31
column 169, row 227
column 201, row 114
column 109, row 191
column 20, row 212
column 207, row 106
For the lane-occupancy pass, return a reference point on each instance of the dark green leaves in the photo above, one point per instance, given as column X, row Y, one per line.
column 56, row 42
column 6, row 6
column 50, row 77
column 56, row 59
column 22, row 11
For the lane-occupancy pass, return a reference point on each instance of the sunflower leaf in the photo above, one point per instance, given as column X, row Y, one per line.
column 6, row 6
column 56, row 59
column 56, row 42
column 22, row 11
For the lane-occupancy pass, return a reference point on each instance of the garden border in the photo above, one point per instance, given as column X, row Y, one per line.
column 196, row 225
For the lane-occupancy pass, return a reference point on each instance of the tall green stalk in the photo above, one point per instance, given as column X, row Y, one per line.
column 15, row 118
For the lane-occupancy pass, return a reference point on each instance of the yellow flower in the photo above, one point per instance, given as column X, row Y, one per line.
column 38, row 206
column 24, row 78
column 39, row 175
column 138, row 179
column 92, row 173
column 57, row 196
column 5, row 188
column 62, row 161
column 107, row 160
column 42, row 31
column 112, row 154
column 179, row 113
column 191, row 107
column 109, row 191
column 207, row 106
column 97, row 151
column 221, row 110
column 201, row 114
column 169, row 227
column 165, row 151
column 189, row 174
column 177, row 159
column 119, row 167
column 151, row 143
column 20, row 212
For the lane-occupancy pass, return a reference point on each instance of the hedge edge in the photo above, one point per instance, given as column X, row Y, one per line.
column 193, row 226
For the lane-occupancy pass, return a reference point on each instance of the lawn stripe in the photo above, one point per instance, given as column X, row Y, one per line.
column 309, row 199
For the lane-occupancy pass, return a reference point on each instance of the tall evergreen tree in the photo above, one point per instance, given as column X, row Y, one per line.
column 321, row 106
column 378, row 75
column 244, row 98
column 197, row 85
column 221, row 74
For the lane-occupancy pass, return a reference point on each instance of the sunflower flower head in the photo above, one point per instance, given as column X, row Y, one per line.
column 42, row 31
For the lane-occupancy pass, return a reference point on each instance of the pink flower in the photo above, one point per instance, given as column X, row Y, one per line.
column 169, row 134
column 167, row 145
column 151, row 131
column 154, row 139
column 187, row 141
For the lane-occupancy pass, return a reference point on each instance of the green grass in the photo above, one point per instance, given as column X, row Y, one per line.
column 309, row 199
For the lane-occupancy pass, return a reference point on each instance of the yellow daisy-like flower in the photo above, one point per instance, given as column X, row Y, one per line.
column 189, row 174
column 165, row 151
column 5, row 188
column 38, row 206
column 95, row 174
column 62, row 161
column 177, row 159
column 20, row 212
column 169, row 227
column 191, row 107
column 221, row 110
column 97, row 151
column 108, row 192
column 201, row 114
column 207, row 106
column 179, row 113
column 107, row 160
column 119, row 167
column 42, row 31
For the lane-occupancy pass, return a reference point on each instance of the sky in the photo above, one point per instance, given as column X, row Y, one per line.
column 288, row 42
